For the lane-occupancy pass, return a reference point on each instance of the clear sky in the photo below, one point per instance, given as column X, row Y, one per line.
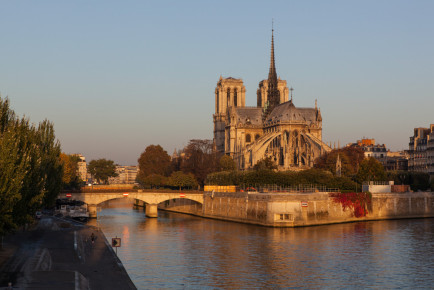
column 117, row 76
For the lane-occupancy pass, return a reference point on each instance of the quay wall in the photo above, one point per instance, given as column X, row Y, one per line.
column 182, row 205
column 302, row 209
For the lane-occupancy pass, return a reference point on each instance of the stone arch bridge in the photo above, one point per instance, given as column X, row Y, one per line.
column 152, row 199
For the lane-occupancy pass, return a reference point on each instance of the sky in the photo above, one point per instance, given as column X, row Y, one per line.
column 117, row 76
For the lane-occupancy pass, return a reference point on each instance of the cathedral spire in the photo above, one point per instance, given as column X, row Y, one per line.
column 272, row 73
column 273, row 94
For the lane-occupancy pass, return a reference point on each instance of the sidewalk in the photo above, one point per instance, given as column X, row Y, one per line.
column 60, row 255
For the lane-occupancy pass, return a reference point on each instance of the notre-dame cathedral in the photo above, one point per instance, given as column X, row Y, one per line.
column 275, row 128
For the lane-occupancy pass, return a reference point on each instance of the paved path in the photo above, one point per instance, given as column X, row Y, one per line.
column 56, row 254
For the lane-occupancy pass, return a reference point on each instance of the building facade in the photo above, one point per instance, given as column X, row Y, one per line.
column 275, row 128
column 378, row 151
column 396, row 161
column 421, row 150
column 82, row 167
column 391, row 160
column 430, row 152
column 126, row 175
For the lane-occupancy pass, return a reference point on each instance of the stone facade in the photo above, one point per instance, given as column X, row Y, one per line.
column 82, row 167
column 291, row 136
column 396, row 161
column 126, row 175
column 229, row 92
column 378, row 151
column 391, row 160
column 430, row 152
column 302, row 209
column 262, row 92
column 421, row 150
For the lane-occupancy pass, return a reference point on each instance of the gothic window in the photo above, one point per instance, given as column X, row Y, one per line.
column 257, row 136
column 248, row 138
column 218, row 103
column 235, row 98
column 229, row 96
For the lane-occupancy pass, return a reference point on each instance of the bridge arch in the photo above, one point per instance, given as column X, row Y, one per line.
column 152, row 199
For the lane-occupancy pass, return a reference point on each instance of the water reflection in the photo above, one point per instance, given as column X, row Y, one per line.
column 181, row 251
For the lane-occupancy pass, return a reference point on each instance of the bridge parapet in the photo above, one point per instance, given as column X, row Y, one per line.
column 92, row 199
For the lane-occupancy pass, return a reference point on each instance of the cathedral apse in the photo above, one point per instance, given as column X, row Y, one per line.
column 275, row 128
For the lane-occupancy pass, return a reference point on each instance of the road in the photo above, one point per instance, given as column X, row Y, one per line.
column 58, row 254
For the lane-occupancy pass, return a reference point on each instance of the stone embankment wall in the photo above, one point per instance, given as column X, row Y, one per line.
column 181, row 205
column 303, row 209
column 279, row 210
column 402, row 205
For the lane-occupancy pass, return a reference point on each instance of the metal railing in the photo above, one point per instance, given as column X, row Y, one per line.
column 272, row 188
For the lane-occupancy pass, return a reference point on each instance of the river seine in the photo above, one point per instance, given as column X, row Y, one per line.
column 179, row 251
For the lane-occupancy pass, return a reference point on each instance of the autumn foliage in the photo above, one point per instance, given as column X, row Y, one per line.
column 358, row 202
column 351, row 157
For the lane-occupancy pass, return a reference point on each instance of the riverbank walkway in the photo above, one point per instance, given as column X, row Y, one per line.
column 57, row 254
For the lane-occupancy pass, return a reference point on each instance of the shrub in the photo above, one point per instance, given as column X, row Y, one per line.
column 358, row 202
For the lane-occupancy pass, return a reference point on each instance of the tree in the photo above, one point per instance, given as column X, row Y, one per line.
column 154, row 160
column 180, row 179
column 371, row 170
column 42, row 183
column 50, row 162
column 154, row 180
column 351, row 157
column 13, row 167
column 416, row 180
column 70, row 178
column 30, row 168
column 314, row 177
column 200, row 159
column 69, row 169
column 227, row 163
column 265, row 164
column 102, row 169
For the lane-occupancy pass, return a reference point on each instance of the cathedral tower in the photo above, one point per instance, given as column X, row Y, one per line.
column 230, row 92
column 274, row 129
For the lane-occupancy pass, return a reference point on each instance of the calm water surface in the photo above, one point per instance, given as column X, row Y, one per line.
column 179, row 251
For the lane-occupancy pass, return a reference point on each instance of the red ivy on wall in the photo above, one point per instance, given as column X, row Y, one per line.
column 356, row 201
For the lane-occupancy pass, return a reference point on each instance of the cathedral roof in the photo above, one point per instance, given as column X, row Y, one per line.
column 249, row 115
column 287, row 112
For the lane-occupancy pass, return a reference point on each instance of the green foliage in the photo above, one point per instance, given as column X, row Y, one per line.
column 181, row 180
column 285, row 179
column 416, row 180
column 50, row 162
column 102, row 169
column 13, row 168
column 154, row 160
column 371, row 170
column 223, row 178
column 227, row 163
column 154, row 180
column 30, row 168
column 264, row 164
